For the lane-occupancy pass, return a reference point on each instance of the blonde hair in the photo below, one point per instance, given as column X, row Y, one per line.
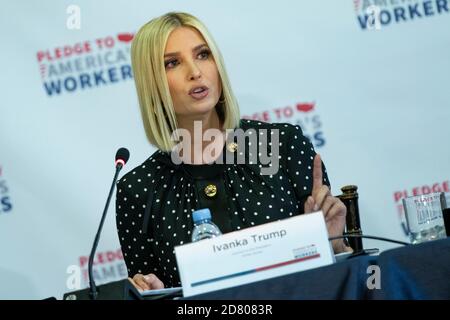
column 147, row 58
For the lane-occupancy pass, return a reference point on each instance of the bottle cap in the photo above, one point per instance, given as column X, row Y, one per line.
column 201, row 214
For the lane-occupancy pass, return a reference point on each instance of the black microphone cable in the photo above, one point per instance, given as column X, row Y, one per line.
column 345, row 235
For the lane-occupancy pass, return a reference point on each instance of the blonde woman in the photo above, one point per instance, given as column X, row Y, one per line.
column 182, row 84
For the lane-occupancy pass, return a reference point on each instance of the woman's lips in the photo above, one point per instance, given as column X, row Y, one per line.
column 199, row 95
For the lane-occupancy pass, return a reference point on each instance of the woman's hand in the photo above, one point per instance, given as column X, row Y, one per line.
column 333, row 209
column 146, row 282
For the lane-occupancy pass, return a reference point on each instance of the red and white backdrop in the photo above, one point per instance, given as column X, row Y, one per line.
column 368, row 85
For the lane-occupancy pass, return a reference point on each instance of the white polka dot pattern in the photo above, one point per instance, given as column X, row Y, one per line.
column 154, row 200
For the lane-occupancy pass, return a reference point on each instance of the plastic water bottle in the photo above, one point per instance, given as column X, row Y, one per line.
column 204, row 228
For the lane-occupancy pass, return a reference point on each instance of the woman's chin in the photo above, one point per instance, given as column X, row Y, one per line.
column 202, row 107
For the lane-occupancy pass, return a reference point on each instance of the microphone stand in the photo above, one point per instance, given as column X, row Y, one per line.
column 93, row 292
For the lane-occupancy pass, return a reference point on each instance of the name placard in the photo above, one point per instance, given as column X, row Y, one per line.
column 253, row 254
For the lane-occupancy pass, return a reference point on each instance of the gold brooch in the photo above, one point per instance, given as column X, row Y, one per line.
column 210, row 190
column 232, row 146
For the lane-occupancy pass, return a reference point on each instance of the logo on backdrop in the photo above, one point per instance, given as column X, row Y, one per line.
column 108, row 266
column 303, row 114
column 85, row 65
column 417, row 191
column 376, row 14
column 5, row 200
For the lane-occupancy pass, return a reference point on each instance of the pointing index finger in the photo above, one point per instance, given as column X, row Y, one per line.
column 317, row 173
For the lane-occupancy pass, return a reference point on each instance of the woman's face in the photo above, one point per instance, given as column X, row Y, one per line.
column 192, row 74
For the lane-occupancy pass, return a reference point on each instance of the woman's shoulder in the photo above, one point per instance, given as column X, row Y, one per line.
column 143, row 173
column 285, row 128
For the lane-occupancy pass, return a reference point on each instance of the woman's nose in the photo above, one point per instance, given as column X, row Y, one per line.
column 194, row 72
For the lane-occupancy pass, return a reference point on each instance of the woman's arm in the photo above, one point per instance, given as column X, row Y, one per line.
column 141, row 261
column 308, row 174
column 333, row 208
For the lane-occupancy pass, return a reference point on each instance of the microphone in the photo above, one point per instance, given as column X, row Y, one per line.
column 122, row 156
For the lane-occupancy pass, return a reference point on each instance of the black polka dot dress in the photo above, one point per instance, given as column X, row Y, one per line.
column 155, row 201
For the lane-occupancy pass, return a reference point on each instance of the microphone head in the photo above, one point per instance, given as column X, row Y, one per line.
column 122, row 156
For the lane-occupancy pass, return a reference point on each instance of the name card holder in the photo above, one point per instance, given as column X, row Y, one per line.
column 253, row 254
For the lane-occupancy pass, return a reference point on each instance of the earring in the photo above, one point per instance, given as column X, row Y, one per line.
column 222, row 101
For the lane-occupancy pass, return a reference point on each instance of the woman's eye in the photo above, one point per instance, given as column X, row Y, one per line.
column 204, row 54
column 171, row 63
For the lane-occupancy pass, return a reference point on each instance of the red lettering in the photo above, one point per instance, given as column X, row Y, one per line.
column 445, row 186
column 83, row 261
column 100, row 257
column 99, row 43
column 264, row 116
column 67, row 51
column 288, row 112
column 397, row 196
column 77, row 48
column 64, row 52
column 48, row 56
column 58, row 53
column 436, row 188
column 277, row 112
column 256, row 116
column 109, row 42
column 426, row 190
column 110, row 256
column 40, row 55
column 119, row 254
